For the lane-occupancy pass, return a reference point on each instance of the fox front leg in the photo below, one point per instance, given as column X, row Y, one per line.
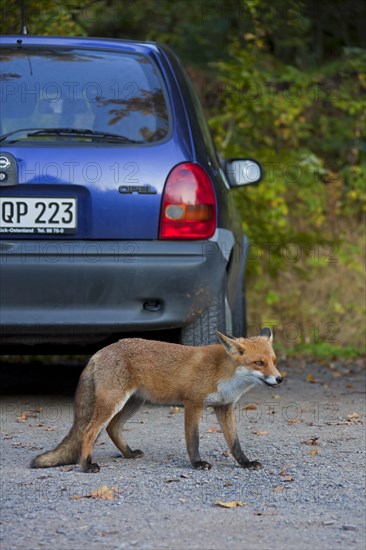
column 192, row 415
column 226, row 417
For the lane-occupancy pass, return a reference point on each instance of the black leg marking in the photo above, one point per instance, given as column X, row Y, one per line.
column 90, row 467
column 242, row 459
column 192, row 413
column 226, row 418
column 133, row 453
column 201, row 465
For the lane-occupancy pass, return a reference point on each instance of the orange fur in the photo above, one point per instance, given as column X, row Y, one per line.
column 120, row 377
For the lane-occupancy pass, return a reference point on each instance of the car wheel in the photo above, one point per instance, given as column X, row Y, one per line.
column 202, row 331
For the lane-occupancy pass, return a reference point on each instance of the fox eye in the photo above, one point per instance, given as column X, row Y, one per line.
column 259, row 363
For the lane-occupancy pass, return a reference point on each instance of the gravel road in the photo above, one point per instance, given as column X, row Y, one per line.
column 309, row 435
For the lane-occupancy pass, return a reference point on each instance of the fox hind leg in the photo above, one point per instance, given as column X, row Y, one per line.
column 114, row 428
column 104, row 411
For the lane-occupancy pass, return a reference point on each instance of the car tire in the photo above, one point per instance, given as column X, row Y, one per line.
column 202, row 331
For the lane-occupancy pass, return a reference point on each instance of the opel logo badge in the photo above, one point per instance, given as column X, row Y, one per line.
column 4, row 163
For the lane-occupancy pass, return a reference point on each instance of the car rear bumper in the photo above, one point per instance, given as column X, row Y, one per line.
column 84, row 291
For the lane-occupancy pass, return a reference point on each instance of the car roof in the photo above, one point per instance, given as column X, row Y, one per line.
column 125, row 45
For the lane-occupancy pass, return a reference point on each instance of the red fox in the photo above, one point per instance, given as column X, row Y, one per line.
column 120, row 377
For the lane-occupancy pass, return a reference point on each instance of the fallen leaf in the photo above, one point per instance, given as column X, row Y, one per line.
column 212, row 429
column 231, row 504
column 312, row 441
column 310, row 378
column 259, row 432
column 276, row 396
column 26, row 414
column 294, row 420
column 228, row 484
column 250, row 408
column 288, row 478
column 313, row 452
column 102, row 493
column 354, row 418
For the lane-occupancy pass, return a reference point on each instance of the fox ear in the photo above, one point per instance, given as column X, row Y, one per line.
column 231, row 345
column 267, row 332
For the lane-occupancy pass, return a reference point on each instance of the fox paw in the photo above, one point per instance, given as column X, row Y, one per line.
column 202, row 465
column 92, row 468
column 252, row 465
column 134, row 454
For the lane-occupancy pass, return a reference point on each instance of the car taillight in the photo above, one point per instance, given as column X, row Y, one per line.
column 188, row 205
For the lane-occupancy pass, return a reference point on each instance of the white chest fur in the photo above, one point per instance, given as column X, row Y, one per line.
column 230, row 390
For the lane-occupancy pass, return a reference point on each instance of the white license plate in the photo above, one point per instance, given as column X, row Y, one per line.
column 38, row 215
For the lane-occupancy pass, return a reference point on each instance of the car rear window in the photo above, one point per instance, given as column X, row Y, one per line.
column 102, row 91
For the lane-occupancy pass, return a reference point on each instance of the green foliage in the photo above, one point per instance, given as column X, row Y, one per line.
column 303, row 117
column 325, row 351
column 45, row 17
column 305, row 127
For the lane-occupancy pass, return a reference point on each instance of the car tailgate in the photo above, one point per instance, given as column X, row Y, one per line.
column 117, row 189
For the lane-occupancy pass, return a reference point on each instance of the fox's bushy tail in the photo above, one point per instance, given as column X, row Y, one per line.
column 69, row 450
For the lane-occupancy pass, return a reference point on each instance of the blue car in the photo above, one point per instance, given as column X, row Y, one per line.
column 116, row 214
